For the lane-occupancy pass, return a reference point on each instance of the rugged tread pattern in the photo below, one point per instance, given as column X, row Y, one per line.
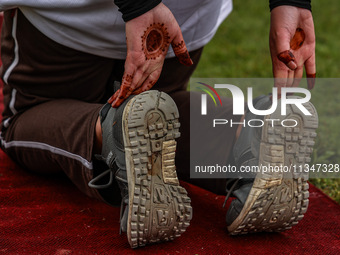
column 278, row 201
column 159, row 209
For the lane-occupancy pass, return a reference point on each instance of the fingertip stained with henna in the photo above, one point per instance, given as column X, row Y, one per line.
column 311, row 80
column 286, row 57
column 123, row 93
column 182, row 53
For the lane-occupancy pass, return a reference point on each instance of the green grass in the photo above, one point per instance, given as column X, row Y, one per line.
column 240, row 50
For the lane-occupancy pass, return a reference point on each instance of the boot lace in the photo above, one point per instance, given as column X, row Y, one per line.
column 233, row 183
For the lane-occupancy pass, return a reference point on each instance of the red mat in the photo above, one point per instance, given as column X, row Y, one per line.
column 48, row 215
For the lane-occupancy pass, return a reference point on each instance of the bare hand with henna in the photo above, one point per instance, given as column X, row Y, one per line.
column 148, row 39
column 292, row 46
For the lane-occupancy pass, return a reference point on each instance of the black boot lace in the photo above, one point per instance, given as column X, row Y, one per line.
column 233, row 183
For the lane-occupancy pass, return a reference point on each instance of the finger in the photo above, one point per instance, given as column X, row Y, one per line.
column 138, row 79
column 180, row 50
column 288, row 58
column 280, row 83
column 280, row 73
column 124, row 92
column 113, row 97
column 148, row 85
column 149, row 82
column 144, row 79
column 311, row 80
column 310, row 71
column 290, row 79
column 297, row 76
column 281, row 42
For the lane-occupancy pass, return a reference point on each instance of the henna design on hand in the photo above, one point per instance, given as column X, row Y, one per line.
column 117, row 100
column 182, row 53
column 288, row 58
column 123, row 93
column 155, row 41
column 298, row 39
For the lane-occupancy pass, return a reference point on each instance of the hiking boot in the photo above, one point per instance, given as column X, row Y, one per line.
column 139, row 147
column 273, row 200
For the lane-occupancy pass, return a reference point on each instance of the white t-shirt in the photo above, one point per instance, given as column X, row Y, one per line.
column 97, row 27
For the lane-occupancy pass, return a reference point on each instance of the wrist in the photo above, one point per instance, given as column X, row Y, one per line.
column 305, row 4
column 134, row 8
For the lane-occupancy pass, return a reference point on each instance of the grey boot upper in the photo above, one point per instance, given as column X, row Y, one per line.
column 246, row 153
column 113, row 154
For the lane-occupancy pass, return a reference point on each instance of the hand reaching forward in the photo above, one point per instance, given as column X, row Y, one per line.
column 148, row 39
column 292, row 46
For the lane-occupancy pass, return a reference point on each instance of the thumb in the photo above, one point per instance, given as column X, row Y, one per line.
column 180, row 49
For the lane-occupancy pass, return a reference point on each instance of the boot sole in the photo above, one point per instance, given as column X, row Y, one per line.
column 277, row 201
column 159, row 208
